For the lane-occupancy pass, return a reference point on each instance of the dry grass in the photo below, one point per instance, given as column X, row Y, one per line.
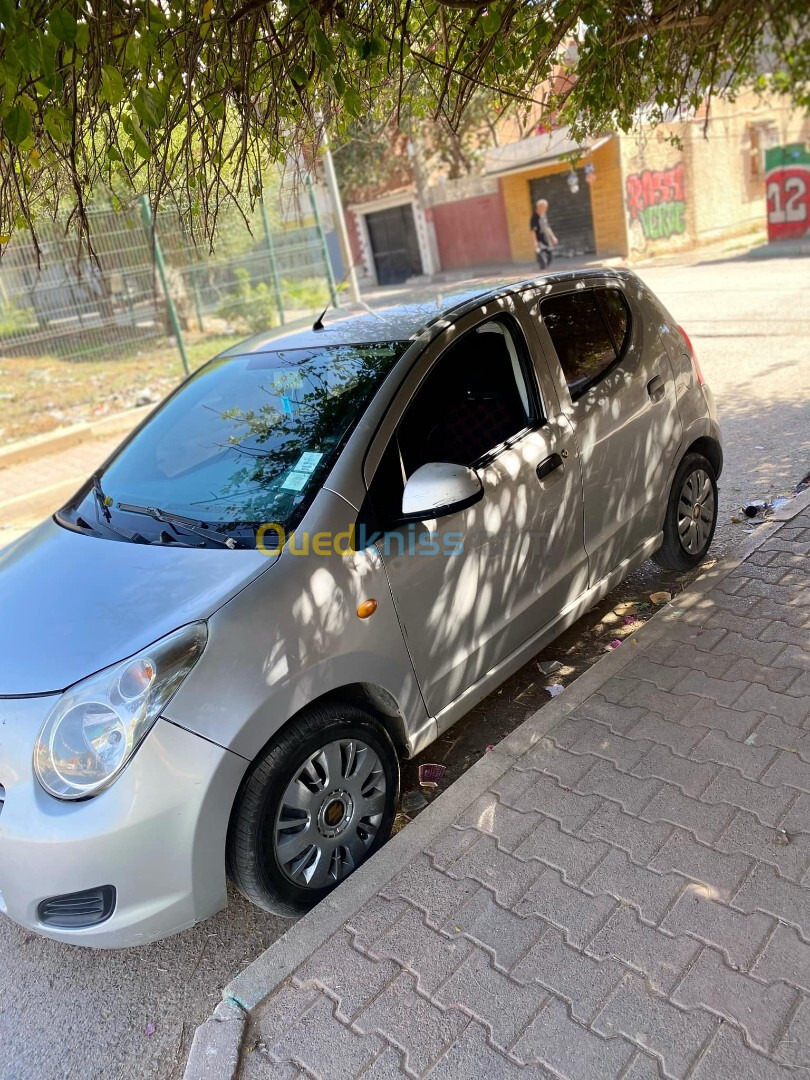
column 39, row 394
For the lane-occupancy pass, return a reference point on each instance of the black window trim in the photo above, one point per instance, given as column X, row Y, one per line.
column 593, row 288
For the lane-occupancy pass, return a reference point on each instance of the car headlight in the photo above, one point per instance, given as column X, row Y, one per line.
column 97, row 725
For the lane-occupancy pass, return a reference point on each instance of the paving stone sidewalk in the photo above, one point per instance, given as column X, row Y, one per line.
column 629, row 898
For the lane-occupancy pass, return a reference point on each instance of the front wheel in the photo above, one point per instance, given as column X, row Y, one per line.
column 691, row 515
column 317, row 803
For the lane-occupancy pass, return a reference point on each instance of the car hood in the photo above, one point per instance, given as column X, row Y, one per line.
column 71, row 604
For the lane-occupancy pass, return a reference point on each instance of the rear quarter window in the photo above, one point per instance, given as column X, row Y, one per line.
column 617, row 314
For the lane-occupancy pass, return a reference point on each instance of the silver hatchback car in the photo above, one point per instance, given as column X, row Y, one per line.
column 314, row 557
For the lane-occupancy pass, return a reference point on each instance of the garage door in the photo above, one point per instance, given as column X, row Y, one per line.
column 394, row 244
column 569, row 215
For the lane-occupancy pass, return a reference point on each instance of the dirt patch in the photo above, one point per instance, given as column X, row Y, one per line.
column 41, row 393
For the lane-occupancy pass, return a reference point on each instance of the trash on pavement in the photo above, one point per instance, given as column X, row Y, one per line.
column 781, row 839
column 150, row 1029
column 489, row 747
column 736, row 520
column 548, row 667
column 429, row 775
column 660, row 598
column 554, row 689
column 629, row 607
column 628, row 620
column 783, row 500
column 413, row 801
column 754, row 507
column 612, row 645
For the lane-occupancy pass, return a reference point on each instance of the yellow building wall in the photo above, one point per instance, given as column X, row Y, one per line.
column 516, row 194
column 606, row 199
column 606, row 202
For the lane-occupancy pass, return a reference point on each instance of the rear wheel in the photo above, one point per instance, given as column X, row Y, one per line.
column 691, row 515
column 317, row 803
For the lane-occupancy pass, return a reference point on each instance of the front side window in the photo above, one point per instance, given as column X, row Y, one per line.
column 476, row 397
column 247, row 439
column 588, row 330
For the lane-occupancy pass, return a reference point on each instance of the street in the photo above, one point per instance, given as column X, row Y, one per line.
column 75, row 1013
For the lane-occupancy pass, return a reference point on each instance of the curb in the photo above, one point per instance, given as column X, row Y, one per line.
column 19, row 453
column 216, row 1044
column 41, row 503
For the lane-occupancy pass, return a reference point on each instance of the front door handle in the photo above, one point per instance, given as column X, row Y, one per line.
column 656, row 388
column 548, row 465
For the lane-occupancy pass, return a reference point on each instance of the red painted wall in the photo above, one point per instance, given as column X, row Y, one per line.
column 472, row 232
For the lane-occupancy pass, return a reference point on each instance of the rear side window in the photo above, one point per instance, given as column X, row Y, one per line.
column 615, row 310
column 588, row 330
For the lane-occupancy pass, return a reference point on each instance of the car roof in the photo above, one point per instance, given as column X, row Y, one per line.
column 403, row 322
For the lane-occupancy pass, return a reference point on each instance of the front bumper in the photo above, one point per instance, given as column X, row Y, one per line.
column 157, row 835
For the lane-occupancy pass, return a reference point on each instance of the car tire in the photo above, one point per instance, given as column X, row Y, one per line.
column 317, row 802
column 691, row 515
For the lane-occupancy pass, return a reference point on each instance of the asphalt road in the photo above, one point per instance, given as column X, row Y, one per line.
column 69, row 1012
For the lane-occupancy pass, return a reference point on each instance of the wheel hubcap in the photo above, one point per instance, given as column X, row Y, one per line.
column 330, row 814
column 696, row 512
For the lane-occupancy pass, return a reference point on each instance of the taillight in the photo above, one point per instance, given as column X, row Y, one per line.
column 695, row 363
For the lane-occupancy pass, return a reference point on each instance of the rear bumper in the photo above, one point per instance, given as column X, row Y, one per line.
column 157, row 835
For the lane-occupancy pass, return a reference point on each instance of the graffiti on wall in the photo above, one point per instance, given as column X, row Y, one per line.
column 787, row 180
column 656, row 200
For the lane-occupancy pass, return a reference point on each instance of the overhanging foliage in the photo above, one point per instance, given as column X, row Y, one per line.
column 192, row 101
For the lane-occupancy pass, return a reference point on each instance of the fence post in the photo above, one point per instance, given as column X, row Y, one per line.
column 271, row 251
column 146, row 211
column 322, row 237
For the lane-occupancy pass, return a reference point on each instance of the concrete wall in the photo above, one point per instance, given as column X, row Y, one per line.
column 711, row 187
column 606, row 199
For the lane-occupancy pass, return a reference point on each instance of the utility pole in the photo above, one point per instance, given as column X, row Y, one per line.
column 340, row 219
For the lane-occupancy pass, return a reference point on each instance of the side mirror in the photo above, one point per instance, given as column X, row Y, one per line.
column 440, row 489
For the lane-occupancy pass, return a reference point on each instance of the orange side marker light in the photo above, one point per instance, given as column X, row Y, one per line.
column 367, row 608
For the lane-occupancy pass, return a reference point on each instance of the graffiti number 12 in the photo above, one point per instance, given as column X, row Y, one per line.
column 795, row 205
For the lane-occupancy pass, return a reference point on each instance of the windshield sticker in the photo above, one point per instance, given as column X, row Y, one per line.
column 295, row 481
column 297, row 477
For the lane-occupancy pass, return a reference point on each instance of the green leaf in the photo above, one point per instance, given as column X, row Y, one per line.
column 491, row 22
column 63, row 25
column 82, row 37
column 353, row 102
column 139, row 140
column 299, row 76
column 57, row 125
column 28, row 50
column 17, row 124
column 148, row 107
column 112, row 85
column 8, row 14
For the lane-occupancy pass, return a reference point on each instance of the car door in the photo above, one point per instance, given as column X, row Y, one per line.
column 471, row 588
column 617, row 387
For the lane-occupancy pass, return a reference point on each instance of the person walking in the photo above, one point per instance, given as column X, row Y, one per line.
column 544, row 238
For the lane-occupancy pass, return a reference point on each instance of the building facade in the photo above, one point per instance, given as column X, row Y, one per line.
column 656, row 191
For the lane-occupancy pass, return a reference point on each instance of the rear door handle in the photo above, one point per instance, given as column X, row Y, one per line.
column 549, row 465
column 656, row 388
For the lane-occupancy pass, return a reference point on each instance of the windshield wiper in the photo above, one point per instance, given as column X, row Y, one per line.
column 104, row 502
column 199, row 528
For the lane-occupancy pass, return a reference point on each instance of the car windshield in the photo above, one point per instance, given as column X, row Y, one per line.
column 247, row 439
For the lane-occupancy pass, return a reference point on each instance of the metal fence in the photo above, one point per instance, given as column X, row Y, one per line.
column 149, row 280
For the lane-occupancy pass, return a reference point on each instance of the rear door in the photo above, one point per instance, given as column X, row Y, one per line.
column 616, row 382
